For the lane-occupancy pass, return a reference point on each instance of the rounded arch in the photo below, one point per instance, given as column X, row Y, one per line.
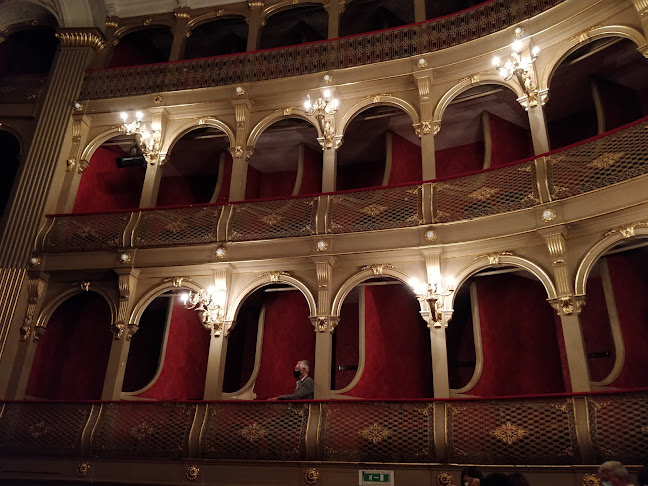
column 516, row 261
column 55, row 302
column 596, row 33
column 157, row 290
column 13, row 132
column 129, row 29
column 173, row 137
column 287, row 4
column 466, row 84
column 360, row 277
column 96, row 142
column 213, row 16
column 20, row 14
column 235, row 306
column 376, row 101
column 260, row 127
column 595, row 252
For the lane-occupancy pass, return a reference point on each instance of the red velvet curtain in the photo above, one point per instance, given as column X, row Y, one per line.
column 346, row 337
column 288, row 337
column 276, row 184
column 458, row 160
column 71, row 357
column 359, row 176
column 521, row 352
column 406, row 161
column 104, row 187
column 398, row 362
column 223, row 194
column 184, row 190
column 185, row 360
column 509, row 142
column 460, row 341
column 312, row 175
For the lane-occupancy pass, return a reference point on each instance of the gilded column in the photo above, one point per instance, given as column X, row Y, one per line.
column 538, row 126
column 103, row 58
column 40, row 176
column 74, row 165
column 151, row 185
column 255, row 24
column 426, row 130
column 240, row 151
column 324, row 327
column 642, row 8
column 179, row 33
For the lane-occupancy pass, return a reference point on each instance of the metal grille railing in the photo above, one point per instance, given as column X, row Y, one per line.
column 255, row 431
column 605, row 161
column 182, row 226
column 79, row 232
column 394, row 207
column 42, row 429
column 386, row 432
column 21, row 89
column 487, row 193
column 144, row 430
column 341, row 53
column 619, row 427
column 512, row 432
column 281, row 218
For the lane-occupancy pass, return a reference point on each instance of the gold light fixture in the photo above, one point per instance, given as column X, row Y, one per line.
column 520, row 67
column 210, row 306
column 320, row 109
column 148, row 140
column 433, row 295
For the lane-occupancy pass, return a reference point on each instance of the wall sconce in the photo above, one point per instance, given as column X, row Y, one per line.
column 320, row 109
column 433, row 295
column 210, row 306
column 519, row 67
column 147, row 140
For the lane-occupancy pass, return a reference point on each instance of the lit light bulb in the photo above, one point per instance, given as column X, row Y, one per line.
column 123, row 115
column 516, row 46
column 139, row 115
column 327, row 94
column 535, row 51
column 156, row 126
column 496, row 61
column 184, row 298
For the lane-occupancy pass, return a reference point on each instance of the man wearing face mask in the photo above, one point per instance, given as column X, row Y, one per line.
column 471, row 476
column 305, row 386
column 612, row 473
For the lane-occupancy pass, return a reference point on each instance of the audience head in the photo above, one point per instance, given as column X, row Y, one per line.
column 518, row 479
column 612, row 473
column 471, row 476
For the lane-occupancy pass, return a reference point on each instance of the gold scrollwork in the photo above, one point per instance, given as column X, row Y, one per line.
column 627, row 231
column 274, row 276
column 81, row 39
column 569, row 304
column 375, row 433
column 509, row 433
column 253, row 432
column 590, row 480
column 444, row 478
column 311, row 475
column 377, row 268
column 142, row 430
column 192, row 473
column 83, row 469
column 494, row 258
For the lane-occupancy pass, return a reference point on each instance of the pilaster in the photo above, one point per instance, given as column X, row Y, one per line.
column 255, row 24
column 240, row 152
column 426, row 130
column 335, row 9
column 182, row 16
column 324, row 326
column 74, row 167
column 642, row 9
column 419, row 11
column 148, row 198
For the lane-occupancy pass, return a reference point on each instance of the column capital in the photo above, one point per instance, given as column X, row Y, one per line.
column 568, row 304
column 90, row 37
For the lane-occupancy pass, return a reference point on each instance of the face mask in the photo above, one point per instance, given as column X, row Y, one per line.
column 466, row 483
column 606, row 483
column 297, row 373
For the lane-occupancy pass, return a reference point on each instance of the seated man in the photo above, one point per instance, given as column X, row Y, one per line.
column 612, row 473
column 305, row 386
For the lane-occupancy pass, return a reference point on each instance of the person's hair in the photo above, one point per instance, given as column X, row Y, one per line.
column 473, row 472
column 616, row 469
column 642, row 476
column 304, row 365
column 495, row 479
column 518, row 479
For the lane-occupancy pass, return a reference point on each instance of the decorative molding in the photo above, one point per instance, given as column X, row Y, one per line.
column 35, row 288
column 177, row 281
column 444, row 478
column 192, row 473
column 627, row 231
column 81, row 38
column 494, row 258
column 548, row 215
column 311, row 475
column 275, row 276
column 509, row 433
column 569, row 304
column 83, row 469
column 377, row 98
column 377, row 268
column 590, row 480
column 431, row 236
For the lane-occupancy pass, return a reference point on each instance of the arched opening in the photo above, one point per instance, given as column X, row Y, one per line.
column 598, row 87
column 482, row 127
column 71, row 357
column 381, row 345
column 287, row 161
column 370, row 15
column 144, row 46
column 30, row 51
column 217, row 37
column 616, row 310
column 167, row 359
column 198, row 169
column 9, row 163
column 519, row 332
column 295, row 25
column 272, row 332
column 435, row 9
column 380, row 148
column 110, row 182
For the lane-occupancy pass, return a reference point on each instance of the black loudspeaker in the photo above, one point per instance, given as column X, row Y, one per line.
column 133, row 159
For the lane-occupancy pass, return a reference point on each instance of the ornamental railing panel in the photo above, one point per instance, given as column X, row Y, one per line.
column 393, row 207
column 377, row 432
column 340, row 53
column 42, row 429
column 619, row 427
column 181, row 226
column 486, row 193
column 143, row 430
column 535, row 431
column 278, row 218
column 21, row 89
column 255, row 431
column 86, row 232
column 603, row 162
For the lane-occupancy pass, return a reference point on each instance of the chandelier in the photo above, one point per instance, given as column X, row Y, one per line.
column 320, row 109
column 431, row 294
column 520, row 67
column 148, row 140
column 210, row 306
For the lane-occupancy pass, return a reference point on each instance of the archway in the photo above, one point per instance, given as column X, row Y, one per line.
column 225, row 35
column 9, row 163
column 362, row 16
column 295, row 25
column 143, row 46
column 29, row 51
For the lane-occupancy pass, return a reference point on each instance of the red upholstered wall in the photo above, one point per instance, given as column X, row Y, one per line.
column 509, row 142
column 223, row 194
column 185, row 360
column 182, row 190
column 458, row 160
column 252, row 183
column 572, row 129
column 104, row 187
column 71, row 357
column 628, row 276
column 406, row 161
column 521, row 352
column 597, row 333
column 276, row 184
column 460, row 341
column 312, row 176
column 287, row 338
column 347, row 349
column 128, row 53
column 359, row 176
column 398, row 361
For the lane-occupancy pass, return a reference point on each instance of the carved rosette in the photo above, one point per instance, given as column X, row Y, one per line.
column 590, row 480
column 192, row 473
column 311, row 475
column 83, row 469
column 444, row 478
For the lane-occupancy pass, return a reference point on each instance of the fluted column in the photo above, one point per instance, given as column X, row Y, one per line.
column 324, row 327
column 255, row 23
column 426, row 130
column 179, row 33
column 41, row 173
column 240, row 151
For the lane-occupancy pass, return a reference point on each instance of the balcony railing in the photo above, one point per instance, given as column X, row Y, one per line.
column 542, row 430
column 359, row 50
column 604, row 161
column 21, row 89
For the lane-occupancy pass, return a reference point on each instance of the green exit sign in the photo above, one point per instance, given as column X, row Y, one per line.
column 373, row 477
